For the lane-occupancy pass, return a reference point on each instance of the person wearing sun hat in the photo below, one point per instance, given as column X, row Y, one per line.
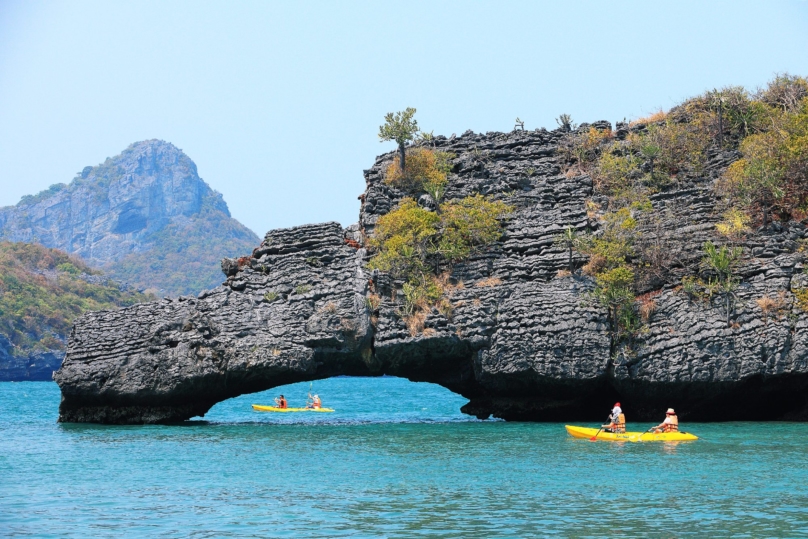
column 671, row 423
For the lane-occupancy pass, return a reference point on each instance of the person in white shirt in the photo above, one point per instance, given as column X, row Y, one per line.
column 671, row 423
column 314, row 402
column 617, row 421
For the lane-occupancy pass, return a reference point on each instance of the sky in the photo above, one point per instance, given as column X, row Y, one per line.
column 279, row 103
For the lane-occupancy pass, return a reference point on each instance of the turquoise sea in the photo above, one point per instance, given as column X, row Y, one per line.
column 397, row 460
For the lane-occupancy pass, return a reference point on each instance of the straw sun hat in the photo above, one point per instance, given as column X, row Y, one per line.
column 670, row 412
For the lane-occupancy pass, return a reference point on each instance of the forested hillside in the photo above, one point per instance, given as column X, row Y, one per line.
column 42, row 291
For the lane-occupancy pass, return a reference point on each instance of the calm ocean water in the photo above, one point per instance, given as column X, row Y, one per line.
column 396, row 460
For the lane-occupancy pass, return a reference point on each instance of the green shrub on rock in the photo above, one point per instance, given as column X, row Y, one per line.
column 403, row 239
column 801, row 294
column 412, row 242
column 468, row 224
column 614, row 291
column 770, row 178
column 570, row 240
column 784, row 92
column 426, row 172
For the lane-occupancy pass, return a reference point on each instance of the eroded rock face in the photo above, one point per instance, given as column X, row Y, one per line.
column 293, row 312
column 520, row 342
column 755, row 369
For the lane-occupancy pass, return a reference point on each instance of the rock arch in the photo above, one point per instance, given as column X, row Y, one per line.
column 522, row 342
column 294, row 311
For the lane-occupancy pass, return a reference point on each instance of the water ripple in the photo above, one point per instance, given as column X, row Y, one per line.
column 416, row 468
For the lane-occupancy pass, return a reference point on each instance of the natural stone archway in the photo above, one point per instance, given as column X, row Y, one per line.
column 522, row 343
column 294, row 311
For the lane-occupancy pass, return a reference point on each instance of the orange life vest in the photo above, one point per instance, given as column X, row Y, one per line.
column 673, row 426
column 620, row 426
column 282, row 403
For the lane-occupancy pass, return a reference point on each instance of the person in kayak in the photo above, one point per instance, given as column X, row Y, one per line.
column 671, row 423
column 315, row 402
column 281, row 402
column 617, row 420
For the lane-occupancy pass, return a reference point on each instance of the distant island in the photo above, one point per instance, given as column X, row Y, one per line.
column 139, row 225
column 144, row 217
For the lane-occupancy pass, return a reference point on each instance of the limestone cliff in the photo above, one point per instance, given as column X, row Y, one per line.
column 138, row 216
column 521, row 342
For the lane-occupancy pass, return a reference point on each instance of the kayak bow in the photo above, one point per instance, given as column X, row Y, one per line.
column 584, row 432
column 260, row 408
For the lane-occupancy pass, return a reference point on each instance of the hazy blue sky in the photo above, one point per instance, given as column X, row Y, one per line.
column 279, row 103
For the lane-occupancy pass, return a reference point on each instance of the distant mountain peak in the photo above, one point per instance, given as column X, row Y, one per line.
column 128, row 206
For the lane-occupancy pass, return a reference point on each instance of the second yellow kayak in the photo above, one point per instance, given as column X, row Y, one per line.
column 260, row 408
column 584, row 432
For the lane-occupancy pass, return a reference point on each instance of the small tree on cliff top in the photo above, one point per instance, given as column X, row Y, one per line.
column 400, row 127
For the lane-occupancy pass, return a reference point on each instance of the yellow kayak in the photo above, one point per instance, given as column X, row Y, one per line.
column 260, row 408
column 584, row 432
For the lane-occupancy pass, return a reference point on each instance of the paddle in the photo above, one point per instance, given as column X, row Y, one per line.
column 593, row 438
column 637, row 439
